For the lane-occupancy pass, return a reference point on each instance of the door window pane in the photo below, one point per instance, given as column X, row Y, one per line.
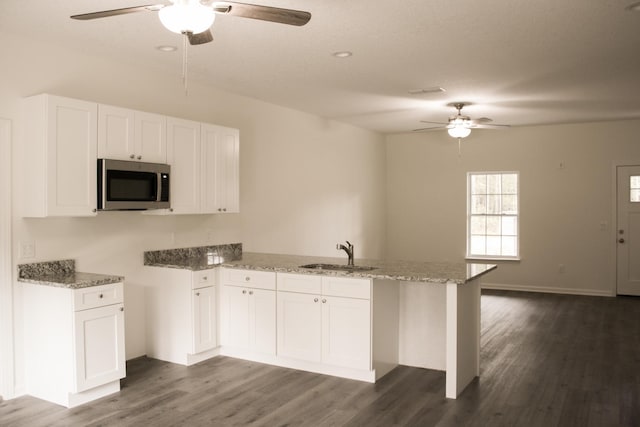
column 634, row 184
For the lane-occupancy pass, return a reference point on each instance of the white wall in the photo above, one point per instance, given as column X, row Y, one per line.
column 566, row 213
column 306, row 182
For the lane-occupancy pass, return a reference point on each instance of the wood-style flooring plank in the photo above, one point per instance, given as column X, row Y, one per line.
column 546, row 360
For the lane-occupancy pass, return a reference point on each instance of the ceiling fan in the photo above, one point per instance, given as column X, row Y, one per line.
column 194, row 18
column 460, row 126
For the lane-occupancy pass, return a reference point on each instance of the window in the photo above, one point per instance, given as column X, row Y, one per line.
column 492, row 215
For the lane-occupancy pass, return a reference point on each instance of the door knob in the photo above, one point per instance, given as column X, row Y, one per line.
column 621, row 240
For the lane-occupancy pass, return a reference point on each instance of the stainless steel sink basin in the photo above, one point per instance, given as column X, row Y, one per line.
column 338, row 267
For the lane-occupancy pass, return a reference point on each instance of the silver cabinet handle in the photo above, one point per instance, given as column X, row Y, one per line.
column 139, row 157
column 204, row 278
column 324, row 300
column 100, row 296
column 132, row 156
column 244, row 291
column 621, row 240
column 121, row 308
column 197, row 294
column 315, row 300
column 250, row 292
column 247, row 279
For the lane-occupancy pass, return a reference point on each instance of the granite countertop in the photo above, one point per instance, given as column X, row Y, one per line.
column 206, row 257
column 410, row 271
column 62, row 274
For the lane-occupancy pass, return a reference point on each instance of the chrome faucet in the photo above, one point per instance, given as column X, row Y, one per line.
column 348, row 249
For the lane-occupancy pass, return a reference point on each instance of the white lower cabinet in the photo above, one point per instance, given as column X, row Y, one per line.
column 317, row 324
column 74, row 342
column 204, row 319
column 248, row 311
column 181, row 314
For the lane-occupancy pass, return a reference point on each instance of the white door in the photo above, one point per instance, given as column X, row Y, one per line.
column 299, row 326
column 204, row 319
column 100, row 356
column 346, row 332
column 234, row 331
column 628, row 234
column 262, row 317
column 183, row 154
column 150, row 137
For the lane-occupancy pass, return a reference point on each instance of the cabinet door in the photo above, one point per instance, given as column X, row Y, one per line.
column 99, row 346
column 204, row 319
column 234, row 331
column 71, row 164
column 221, row 168
column 262, row 320
column 183, row 154
column 346, row 332
column 299, row 326
column 150, row 137
column 116, row 133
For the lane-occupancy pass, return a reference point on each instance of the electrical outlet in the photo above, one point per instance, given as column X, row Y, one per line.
column 27, row 250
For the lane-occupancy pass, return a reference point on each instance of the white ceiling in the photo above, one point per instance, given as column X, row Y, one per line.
column 519, row 62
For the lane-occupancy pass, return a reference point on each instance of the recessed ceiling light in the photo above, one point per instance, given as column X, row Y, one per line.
column 166, row 48
column 426, row 90
column 342, row 54
column 634, row 7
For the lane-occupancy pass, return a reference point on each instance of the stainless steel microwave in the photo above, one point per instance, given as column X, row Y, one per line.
column 125, row 185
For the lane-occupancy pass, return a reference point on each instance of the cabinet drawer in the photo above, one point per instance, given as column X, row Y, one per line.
column 97, row 296
column 302, row 283
column 249, row 278
column 346, row 287
column 204, row 278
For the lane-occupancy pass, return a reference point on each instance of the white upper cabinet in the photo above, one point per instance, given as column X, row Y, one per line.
column 221, row 169
column 59, row 157
column 204, row 163
column 183, row 154
column 125, row 134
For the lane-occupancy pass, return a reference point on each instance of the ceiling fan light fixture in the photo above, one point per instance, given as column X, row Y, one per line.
column 187, row 16
column 459, row 132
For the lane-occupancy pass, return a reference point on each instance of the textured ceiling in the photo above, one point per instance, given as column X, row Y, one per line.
column 518, row 62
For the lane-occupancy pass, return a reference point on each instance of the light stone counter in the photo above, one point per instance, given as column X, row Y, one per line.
column 62, row 274
column 408, row 271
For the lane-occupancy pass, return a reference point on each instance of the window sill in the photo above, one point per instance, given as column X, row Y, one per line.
column 492, row 259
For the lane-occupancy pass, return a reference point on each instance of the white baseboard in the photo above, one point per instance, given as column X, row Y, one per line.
column 546, row 289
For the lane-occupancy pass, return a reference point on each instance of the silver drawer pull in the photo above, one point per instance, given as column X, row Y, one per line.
column 247, row 278
column 100, row 296
column 244, row 291
column 315, row 300
column 204, row 278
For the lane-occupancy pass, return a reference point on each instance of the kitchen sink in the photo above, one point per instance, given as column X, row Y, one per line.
column 338, row 267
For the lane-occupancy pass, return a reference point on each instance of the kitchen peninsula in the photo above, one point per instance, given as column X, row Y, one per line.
column 356, row 323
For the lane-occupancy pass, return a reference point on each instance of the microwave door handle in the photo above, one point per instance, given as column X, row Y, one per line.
column 159, row 189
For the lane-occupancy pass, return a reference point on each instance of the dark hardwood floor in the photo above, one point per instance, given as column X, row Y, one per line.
column 547, row 360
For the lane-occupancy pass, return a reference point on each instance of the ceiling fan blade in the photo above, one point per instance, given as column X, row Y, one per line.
column 200, row 38
column 489, row 126
column 428, row 129
column 435, row 123
column 263, row 13
column 115, row 12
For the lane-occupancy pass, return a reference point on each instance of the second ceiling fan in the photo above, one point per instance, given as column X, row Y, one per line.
column 460, row 126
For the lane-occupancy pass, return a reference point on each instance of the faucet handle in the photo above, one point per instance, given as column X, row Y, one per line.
column 349, row 243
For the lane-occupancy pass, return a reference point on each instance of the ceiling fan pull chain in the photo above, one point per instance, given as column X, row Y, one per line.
column 459, row 149
column 185, row 59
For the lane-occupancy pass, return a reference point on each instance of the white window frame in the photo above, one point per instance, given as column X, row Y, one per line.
column 469, row 255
